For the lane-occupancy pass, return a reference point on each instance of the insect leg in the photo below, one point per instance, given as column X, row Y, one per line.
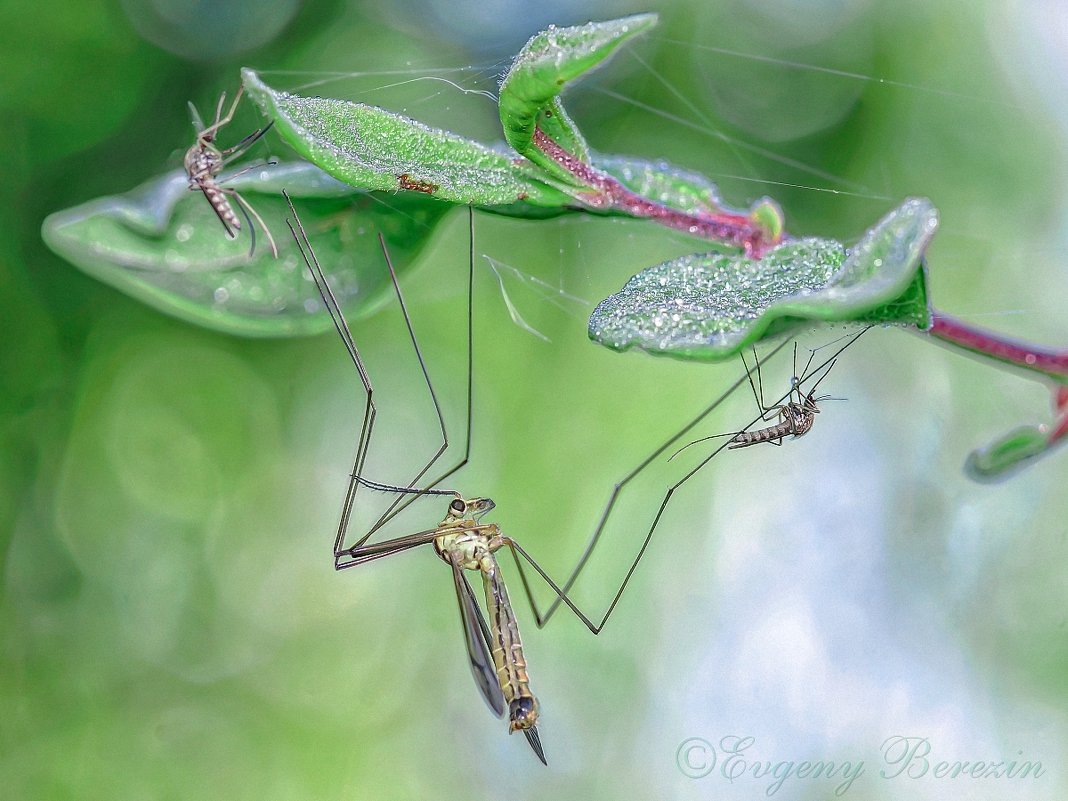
column 617, row 491
column 247, row 207
column 208, row 134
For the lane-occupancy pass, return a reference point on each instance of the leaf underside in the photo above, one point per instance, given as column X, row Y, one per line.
column 710, row 306
column 163, row 244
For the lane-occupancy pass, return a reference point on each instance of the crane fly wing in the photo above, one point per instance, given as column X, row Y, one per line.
column 476, row 636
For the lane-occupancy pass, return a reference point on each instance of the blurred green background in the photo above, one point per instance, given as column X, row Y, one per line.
column 171, row 623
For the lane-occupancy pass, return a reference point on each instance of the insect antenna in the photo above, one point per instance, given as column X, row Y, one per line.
column 375, row 485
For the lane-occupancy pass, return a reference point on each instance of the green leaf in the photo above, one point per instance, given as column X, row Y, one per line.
column 371, row 148
column 162, row 244
column 710, row 306
column 1009, row 454
column 529, row 92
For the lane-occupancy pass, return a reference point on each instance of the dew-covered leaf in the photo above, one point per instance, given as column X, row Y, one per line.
column 162, row 243
column 710, row 306
column 371, row 148
column 529, row 96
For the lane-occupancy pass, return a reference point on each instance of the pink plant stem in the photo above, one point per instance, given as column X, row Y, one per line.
column 1059, row 431
column 1053, row 364
column 608, row 193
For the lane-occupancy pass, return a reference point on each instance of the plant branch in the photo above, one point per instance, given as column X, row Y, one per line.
column 606, row 192
column 1051, row 364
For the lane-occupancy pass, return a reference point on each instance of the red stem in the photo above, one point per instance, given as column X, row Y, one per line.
column 1052, row 364
column 608, row 193
column 1059, row 431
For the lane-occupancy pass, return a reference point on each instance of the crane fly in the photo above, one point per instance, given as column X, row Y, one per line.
column 462, row 540
column 204, row 161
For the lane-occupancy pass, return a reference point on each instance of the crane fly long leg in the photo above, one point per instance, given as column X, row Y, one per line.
column 208, row 134
column 463, row 460
column 389, row 513
column 561, row 590
column 477, row 639
column 247, row 207
column 376, row 550
column 370, row 410
column 758, row 389
column 237, row 151
column 613, row 497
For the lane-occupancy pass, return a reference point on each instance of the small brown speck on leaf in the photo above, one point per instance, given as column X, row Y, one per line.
column 413, row 185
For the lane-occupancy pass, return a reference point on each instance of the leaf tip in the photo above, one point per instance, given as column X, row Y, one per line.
column 251, row 79
column 1007, row 455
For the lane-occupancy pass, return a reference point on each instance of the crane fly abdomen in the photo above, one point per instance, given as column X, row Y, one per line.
column 522, row 713
column 746, row 438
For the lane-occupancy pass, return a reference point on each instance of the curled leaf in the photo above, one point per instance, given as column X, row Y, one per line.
column 162, row 243
column 529, row 96
column 710, row 306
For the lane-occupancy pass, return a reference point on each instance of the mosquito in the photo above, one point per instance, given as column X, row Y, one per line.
column 461, row 539
column 204, row 161
column 795, row 417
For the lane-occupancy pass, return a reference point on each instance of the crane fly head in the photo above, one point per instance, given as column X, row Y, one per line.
column 469, row 507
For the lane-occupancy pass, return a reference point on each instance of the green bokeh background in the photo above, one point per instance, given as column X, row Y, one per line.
column 171, row 625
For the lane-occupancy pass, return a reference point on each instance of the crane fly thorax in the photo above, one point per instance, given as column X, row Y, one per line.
column 466, row 543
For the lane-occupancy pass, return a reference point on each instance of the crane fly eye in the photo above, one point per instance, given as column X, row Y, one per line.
column 457, row 507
